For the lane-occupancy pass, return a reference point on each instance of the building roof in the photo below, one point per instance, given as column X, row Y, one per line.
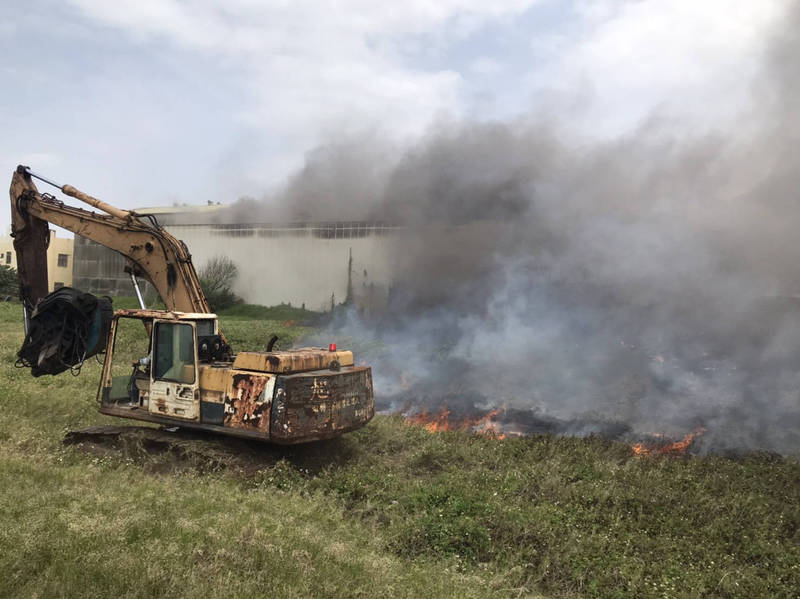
column 182, row 209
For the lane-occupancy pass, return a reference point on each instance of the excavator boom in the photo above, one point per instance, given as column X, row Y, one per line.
column 150, row 250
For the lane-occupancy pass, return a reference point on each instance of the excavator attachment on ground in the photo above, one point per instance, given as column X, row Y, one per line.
column 188, row 375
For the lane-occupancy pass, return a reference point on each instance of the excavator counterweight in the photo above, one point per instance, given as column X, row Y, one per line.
column 190, row 376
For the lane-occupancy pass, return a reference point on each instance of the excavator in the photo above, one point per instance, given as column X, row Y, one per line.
column 189, row 376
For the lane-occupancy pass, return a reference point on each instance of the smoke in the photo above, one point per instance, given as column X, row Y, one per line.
column 649, row 280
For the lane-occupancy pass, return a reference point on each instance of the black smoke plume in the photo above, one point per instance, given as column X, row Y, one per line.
column 651, row 280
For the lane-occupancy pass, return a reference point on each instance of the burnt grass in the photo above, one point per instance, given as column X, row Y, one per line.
column 389, row 510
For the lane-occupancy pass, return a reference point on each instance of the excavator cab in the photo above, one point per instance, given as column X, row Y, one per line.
column 174, row 386
column 166, row 370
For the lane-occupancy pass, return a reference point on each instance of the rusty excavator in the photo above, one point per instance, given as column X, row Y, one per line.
column 189, row 377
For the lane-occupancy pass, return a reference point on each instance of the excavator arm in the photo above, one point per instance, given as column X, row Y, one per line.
column 150, row 250
column 65, row 327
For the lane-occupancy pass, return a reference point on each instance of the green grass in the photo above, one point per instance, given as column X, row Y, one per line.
column 389, row 511
column 283, row 312
column 130, row 302
column 79, row 528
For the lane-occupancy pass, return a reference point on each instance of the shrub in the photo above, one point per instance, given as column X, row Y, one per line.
column 9, row 283
column 217, row 278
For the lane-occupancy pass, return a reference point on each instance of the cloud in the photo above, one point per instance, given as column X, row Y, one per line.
column 305, row 71
column 307, row 66
column 485, row 65
column 694, row 59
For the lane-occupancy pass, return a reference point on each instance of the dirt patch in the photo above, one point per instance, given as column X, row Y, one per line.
column 166, row 450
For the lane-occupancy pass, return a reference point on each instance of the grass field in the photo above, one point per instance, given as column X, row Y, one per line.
column 388, row 511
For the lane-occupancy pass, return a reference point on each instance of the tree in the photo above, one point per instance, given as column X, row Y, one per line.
column 217, row 278
column 9, row 283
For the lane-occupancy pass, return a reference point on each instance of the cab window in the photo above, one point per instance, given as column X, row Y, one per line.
column 174, row 352
column 204, row 327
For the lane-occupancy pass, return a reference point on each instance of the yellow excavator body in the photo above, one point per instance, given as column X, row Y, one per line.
column 189, row 376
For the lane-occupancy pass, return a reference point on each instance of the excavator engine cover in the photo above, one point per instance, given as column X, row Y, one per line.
column 66, row 327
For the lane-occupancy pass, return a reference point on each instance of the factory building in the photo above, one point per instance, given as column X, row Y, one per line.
column 311, row 264
column 316, row 265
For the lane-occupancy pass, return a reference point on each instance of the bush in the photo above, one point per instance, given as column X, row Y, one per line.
column 9, row 283
column 217, row 278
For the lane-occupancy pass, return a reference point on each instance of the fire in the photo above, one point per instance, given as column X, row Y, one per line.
column 442, row 421
column 677, row 448
column 496, row 424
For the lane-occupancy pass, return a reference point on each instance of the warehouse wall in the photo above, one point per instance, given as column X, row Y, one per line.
column 99, row 270
column 300, row 263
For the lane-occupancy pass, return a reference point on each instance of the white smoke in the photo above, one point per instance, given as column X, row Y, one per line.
column 648, row 280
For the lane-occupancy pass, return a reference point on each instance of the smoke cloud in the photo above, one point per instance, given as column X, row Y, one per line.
column 646, row 283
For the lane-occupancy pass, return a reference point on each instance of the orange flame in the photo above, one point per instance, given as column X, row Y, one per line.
column 677, row 448
column 488, row 425
column 441, row 421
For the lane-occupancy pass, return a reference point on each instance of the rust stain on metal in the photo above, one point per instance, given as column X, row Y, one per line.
column 248, row 401
column 322, row 404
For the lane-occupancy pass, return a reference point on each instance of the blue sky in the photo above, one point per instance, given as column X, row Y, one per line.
column 152, row 102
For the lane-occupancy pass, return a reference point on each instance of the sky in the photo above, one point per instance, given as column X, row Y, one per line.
column 156, row 102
